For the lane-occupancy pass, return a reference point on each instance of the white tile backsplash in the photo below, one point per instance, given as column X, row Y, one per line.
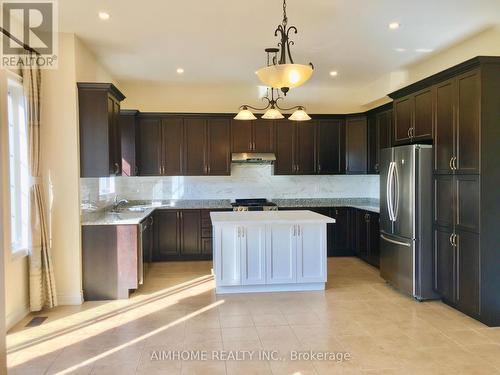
column 246, row 181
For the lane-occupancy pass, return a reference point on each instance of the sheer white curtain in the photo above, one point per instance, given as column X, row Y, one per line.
column 41, row 274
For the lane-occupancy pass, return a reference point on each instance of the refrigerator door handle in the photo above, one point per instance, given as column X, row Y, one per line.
column 390, row 199
column 388, row 191
column 395, row 205
column 394, row 241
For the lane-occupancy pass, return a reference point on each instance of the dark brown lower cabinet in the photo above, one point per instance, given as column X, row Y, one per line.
column 182, row 234
column 457, row 269
column 367, row 236
column 342, row 233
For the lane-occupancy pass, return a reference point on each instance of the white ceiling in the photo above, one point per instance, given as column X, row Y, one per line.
column 223, row 41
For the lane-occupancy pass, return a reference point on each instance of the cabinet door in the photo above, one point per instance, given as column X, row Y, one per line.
column 443, row 131
column 422, row 128
column 468, row 122
column 114, row 149
column 373, row 148
column 284, row 147
column 305, row 153
column 167, row 235
column 148, row 145
column 342, row 232
column 311, row 253
column 219, row 155
column 467, row 188
column 373, row 239
column 195, row 147
column 356, row 145
column 127, row 123
column 241, row 134
column 281, row 254
column 384, row 121
column 190, row 231
column 362, row 226
column 227, row 253
column 444, row 202
column 468, row 272
column 444, row 273
column 263, row 134
column 172, row 142
column 403, row 119
column 253, row 255
column 331, row 146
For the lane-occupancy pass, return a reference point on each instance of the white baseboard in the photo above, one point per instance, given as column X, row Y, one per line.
column 70, row 299
column 16, row 316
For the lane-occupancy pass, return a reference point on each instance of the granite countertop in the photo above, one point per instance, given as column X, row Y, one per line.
column 367, row 204
column 144, row 209
column 137, row 211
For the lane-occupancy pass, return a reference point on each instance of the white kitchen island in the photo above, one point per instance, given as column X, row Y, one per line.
column 269, row 251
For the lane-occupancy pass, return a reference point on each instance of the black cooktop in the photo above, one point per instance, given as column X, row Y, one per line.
column 252, row 202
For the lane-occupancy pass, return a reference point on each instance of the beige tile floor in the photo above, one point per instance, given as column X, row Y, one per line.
column 177, row 309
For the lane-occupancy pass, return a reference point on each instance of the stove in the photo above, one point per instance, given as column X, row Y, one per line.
column 255, row 204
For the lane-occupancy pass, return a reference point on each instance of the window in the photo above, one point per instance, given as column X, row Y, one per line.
column 19, row 173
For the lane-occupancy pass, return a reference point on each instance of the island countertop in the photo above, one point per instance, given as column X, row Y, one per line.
column 269, row 217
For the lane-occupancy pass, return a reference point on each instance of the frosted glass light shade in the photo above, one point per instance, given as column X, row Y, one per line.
column 285, row 75
column 245, row 115
column 272, row 114
column 299, row 115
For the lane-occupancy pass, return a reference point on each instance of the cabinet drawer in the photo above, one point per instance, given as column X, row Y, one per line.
column 206, row 232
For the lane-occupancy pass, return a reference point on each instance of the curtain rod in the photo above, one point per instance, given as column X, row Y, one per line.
column 25, row 46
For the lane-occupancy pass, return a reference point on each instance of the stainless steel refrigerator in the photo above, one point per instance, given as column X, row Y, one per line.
column 406, row 219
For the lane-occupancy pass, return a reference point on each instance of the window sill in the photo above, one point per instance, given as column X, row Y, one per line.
column 18, row 254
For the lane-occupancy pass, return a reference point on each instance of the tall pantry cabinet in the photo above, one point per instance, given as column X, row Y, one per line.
column 466, row 142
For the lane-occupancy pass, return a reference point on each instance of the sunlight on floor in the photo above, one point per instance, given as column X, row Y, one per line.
column 177, row 309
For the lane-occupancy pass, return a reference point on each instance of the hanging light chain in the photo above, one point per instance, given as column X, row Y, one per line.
column 285, row 18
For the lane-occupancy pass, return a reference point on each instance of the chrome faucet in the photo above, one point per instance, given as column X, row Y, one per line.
column 117, row 203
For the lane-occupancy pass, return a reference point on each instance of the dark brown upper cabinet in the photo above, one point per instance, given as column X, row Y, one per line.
column 128, row 126
column 219, row 153
column 100, row 142
column 295, row 147
column 252, row 136
column 149, row 146
column 183, row 146
column 330, row 142
column 195, row 147
column 413, row 120
column 356, row 145
column 458, row 117
column 379, row 136
column 172, row 146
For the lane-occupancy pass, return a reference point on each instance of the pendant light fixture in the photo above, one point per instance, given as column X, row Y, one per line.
column 283, row 74
column 272, row 109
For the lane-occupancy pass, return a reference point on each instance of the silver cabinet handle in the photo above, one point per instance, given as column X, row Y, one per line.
column 451, row 163
column 117, row 168
column 394, row 241
column 455, row 163
column 451, row 239
column 408, row 133
column 454, row 240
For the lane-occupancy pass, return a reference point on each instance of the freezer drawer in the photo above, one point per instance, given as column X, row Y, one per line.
column 396, row 262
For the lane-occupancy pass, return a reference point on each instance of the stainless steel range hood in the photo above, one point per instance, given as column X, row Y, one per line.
column 253, row 157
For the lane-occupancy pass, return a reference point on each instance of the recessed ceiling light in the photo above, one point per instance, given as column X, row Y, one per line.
column 400, row 49
column 180, row 70
column 104, row 16
column 423, row 50
column 334, row 73
column 394, row 25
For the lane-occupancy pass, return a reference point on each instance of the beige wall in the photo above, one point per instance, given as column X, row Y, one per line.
column 218, row 98
column 178, row 97
column 484, row 43
column 60, row 160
